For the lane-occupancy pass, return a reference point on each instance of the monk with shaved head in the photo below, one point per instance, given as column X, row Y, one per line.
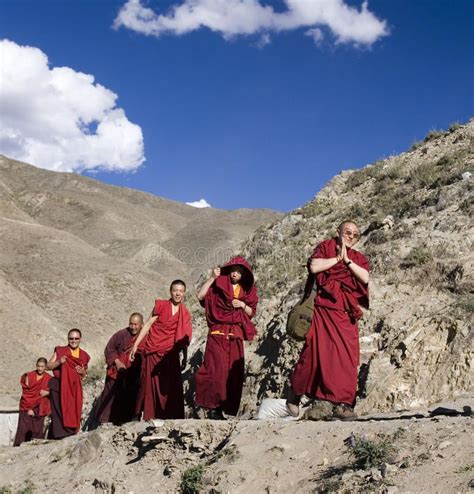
column 327, row 368
column 69, row 365
column 164, row 337
column 118, row 399
column 34, row 403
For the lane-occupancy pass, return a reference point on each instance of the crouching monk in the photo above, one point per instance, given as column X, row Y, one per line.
column 69, row 366
column 230, row 300
column 118, row 399
column 165, row 335
column 327, row 368
column 34, row 403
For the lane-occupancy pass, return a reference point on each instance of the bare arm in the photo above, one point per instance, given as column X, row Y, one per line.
column 208, row 283
column 143, row 332
column 54, row 363
column 359, row 272
column 317, row 265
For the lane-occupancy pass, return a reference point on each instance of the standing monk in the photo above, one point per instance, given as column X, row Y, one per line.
column 167, row 332
column 327, row 368
column 69, row 366
column 118, row 400
column 230, row 300
column 34, row 403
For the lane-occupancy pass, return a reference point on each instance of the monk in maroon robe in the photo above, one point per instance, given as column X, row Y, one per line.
column 69, row 366
column 34, row 403
column 230, row 300
column 118, row 399
column 166, row 334
column 327, row 368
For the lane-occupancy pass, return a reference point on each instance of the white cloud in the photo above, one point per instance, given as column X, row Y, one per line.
column 60, row 119
column 202, row 203
column 246, row 17
column 264, row 40
column 316, row 34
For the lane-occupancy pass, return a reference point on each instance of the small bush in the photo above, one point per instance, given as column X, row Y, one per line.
column 28, row 489
column 454, row 126
column 95, row 373
column 433, row 134
column 191, row 480
column 416, row 145
column 5, row 490
column 418, row 256
column 368, row 454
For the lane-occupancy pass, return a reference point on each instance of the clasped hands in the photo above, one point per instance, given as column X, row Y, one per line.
column 342, row 252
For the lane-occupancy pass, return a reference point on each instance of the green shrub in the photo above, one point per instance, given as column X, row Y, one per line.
column 191, row 480
column 368, row 454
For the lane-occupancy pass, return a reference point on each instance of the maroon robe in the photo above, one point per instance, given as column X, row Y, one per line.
column 32, row 427
column 66, row 394
column 327, row 368
column 118, row 399
column 220, row 379
column 161, row 389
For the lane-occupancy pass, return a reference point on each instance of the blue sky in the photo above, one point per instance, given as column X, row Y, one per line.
column 243, row 120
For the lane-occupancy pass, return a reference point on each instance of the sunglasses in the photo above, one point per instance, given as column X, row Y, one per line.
column 73, row 339
column 350, row 232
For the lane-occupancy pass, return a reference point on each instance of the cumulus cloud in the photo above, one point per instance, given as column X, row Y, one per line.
column 60, row 119
column 202, row 203
column 231, row 18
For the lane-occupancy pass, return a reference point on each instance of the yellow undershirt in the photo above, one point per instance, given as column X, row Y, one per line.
column 236, row 290
column 38, row 377
column 75, row 352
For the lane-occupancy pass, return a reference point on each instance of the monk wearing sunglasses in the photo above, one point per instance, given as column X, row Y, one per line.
column 327, row 368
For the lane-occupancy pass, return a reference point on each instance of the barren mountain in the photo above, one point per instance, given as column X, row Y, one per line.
column 414, row 211
column 79, row 253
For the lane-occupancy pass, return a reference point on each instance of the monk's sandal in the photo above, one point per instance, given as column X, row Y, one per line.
column 215, row 414
column 342, row 411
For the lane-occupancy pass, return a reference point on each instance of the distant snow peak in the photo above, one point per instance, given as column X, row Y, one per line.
column 202, row 203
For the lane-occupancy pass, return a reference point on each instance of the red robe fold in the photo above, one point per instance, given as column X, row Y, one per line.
column 220, row 379
column 327, row 368
column 161, row 390
column 30, row 397
column 70, row 386
column 119, row 347
column 118, row 399
column 32, row 426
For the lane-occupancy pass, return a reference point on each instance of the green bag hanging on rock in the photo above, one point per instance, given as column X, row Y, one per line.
column 300, row 316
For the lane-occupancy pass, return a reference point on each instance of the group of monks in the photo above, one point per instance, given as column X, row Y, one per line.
column 145, row 360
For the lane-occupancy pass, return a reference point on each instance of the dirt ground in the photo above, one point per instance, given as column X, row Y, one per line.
column 429, row 452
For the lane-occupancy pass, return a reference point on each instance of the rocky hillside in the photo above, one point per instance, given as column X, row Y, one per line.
column 414, row 211
column 79, row 253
